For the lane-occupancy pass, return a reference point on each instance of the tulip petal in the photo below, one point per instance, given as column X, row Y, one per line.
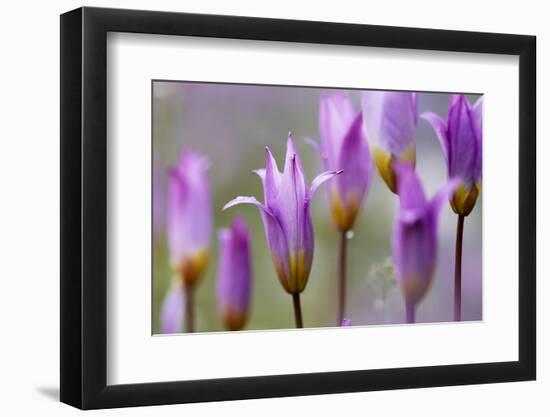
column 412, row 200
column 276, row 235
column 444, row 194
column 189, row 208
column 336, row 113
column 356, row 161
column 234, row 275
column 463, row 141
column 439, row 126
column 172, row 311
column 477, row 112
column 390, row 120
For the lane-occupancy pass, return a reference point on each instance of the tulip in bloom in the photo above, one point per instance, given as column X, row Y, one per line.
column 344, row 146
column 415, row 236
column 173, row 306
column 234, row 275
column 460, row 139
column 189, row 217
column 390, row 120
column 286, row 216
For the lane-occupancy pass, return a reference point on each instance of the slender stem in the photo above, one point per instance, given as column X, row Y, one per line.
column 189, row 309
column 411, row 313
column 342, row 278
column 297, row 310
column 458, row 267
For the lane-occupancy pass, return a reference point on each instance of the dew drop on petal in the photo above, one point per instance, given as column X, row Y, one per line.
column 349, row 234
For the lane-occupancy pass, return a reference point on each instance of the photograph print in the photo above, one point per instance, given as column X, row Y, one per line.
column 283, row 207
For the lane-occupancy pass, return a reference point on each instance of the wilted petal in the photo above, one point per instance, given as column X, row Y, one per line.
column 234, row 275
column 172, row 311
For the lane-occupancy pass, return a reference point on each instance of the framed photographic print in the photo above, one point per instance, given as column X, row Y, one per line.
column 257, row 207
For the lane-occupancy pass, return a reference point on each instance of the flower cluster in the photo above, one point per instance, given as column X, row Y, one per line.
column 381, row 133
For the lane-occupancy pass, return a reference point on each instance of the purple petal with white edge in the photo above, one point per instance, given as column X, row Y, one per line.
column 292, row 198
column 355, row 160
column 336, row 113
column 463, row 140
column 320, row 179
column 260, row 172
column 439, row 125
column 172, row 311
column 272, row 181
column 244, row 200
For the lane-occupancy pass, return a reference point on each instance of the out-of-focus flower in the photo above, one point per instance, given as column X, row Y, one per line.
column 189, row 217
column 346, row 322
column 390, row 120
column 344, row 146
column 172, row 311
column 460, row 139
column 286, row 216
column 234, row 275
column 415, row 234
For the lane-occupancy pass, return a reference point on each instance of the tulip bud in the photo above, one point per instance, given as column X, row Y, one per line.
column 460, row 139
column 234, row 275
column 344, row 146
column 189, row 217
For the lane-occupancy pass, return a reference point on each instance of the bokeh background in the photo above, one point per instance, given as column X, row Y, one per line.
column 232, row 124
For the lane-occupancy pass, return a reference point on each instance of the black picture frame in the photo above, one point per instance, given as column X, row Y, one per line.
column 84, row 207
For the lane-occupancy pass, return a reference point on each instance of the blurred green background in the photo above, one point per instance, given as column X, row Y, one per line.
column 232, row 124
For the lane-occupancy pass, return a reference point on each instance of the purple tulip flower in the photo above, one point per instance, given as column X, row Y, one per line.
column 460, row 139
column 234, row 275
column 189, row 217
column 344, row 145
column 171, row 315
column 390, row 120
column 286, row 217
column 415, row 236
